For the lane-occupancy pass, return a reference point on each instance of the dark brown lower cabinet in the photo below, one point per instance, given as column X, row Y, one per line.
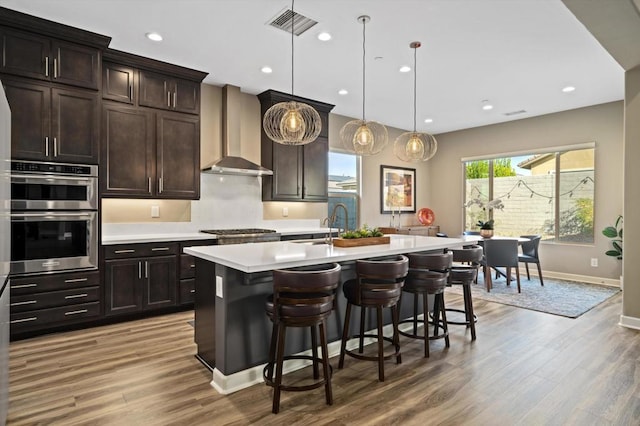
column 140, row 277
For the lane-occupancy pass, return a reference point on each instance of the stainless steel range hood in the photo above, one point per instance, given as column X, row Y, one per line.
column 231, row 163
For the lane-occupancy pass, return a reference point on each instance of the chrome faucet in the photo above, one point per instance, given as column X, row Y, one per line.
column 332, row 219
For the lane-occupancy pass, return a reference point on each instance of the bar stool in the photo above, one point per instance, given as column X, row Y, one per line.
column 467, row 261
column 378, row 285
column 302, row 297
column 428, row 274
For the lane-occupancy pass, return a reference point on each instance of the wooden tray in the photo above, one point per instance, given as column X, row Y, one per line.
column 357, row 242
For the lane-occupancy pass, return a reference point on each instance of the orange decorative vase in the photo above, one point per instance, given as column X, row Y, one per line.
column 486, row 233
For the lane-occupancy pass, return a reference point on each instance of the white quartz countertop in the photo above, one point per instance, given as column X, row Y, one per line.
column 158, row 236
column 258, row 257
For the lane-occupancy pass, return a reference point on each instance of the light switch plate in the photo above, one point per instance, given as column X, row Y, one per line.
column 219, row 287
column 155, row 211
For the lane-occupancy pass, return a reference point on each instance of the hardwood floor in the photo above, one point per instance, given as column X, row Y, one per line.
column 525, row 368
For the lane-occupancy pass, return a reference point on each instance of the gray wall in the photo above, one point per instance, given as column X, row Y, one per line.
column 602, row 124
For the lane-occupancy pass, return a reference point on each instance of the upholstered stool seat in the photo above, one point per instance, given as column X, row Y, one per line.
column 302, row 297
column 378, row 285
column 428, row 275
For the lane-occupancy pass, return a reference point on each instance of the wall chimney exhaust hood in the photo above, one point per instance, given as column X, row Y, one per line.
column 231, row 163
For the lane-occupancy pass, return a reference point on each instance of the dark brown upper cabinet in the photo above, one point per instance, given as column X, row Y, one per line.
column 170, row 93
column 43, row 58
column 53, row 123
column 300, row 173
column 118, row 83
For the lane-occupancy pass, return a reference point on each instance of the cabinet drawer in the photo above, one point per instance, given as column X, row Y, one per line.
column 51, row 282
column 44, row 318
column 126, row 251
column 30, row 302
column 187, row 266
column 187, row 291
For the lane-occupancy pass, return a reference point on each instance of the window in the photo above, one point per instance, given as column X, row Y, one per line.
column 344, row 187
column 549, row 193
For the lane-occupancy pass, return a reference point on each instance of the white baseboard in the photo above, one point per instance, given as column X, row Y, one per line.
column 629, row 322
column 611, row 282
column 251, row 376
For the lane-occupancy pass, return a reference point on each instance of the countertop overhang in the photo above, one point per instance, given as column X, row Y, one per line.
column 259, row 257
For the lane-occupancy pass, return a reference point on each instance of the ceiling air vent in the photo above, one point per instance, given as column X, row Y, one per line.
column 300, row 22
column 509, row 114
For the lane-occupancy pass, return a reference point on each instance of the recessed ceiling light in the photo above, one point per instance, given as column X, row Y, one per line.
column 405, row 68
column 266, row 70
column 343, row 92
column 428, row 120
column 324, row 36
column 154, row 36
column 486, row 105
column 568, row 89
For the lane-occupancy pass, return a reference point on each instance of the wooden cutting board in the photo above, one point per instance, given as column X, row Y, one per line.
column 356, row 242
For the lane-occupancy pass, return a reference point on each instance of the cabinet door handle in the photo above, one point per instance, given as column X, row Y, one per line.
column 192, row 291
column 13, row 287
column 160, row 185
column 55, row 68
column 174, row 100
column 124, row 251
column 192, row 266
column 28, row 302
column 169, row 99
column 160, row 249
column 76, row 296
column 46, row 66
column 146, row 269
column 79, row 311
column 149, row 184
column 23, row 320
column 77, row 280
column 46, row 146
column 139, row 270
column 55, row 147
column 131, row 92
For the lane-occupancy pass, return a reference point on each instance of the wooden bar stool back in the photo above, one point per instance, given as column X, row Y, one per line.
column 428, row 275
column 378, row 285
column 302, row 297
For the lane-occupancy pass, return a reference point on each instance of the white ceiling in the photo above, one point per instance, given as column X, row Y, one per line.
column 518, row 54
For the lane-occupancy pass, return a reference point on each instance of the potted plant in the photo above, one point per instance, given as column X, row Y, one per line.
column 615, row 233
column 486, row 228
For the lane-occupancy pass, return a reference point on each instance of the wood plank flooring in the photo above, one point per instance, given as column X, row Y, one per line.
column 526, row 368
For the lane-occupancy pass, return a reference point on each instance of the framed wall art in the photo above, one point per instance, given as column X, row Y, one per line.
column 397, row 189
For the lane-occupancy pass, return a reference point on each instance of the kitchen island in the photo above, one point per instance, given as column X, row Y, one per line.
column 232, row 331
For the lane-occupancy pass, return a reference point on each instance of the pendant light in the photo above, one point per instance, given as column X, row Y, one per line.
column 292, row 123
column 361, row 136
column 415, row 146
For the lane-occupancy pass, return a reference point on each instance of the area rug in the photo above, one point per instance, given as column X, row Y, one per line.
column 558, row 297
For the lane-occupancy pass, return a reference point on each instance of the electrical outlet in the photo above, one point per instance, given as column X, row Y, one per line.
column 285, row 211
column 594, row 262
column 219, row 287
column 155, row 211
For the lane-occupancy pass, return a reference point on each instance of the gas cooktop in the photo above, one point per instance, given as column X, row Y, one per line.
column 240, row 231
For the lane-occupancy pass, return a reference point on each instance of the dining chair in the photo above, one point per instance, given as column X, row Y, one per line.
column 500, row 253
column 530, row 254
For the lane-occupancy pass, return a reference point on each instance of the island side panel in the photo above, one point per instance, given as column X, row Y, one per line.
column 205, row 312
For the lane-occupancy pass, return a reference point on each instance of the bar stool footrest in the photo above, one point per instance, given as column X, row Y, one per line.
column 421, row 337
column 320, row 382
column 353, row 354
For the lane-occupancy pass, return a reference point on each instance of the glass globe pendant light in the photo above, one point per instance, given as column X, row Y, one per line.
column 415, row 147
column 292, row 123
column 361, row 136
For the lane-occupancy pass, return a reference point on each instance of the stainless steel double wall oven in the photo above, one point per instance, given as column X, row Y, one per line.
column 54, row 218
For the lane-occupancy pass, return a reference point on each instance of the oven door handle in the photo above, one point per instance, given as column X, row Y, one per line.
column 48, row 178
column 53, row 214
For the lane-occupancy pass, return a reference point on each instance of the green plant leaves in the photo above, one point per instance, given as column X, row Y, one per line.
column 611, row 232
